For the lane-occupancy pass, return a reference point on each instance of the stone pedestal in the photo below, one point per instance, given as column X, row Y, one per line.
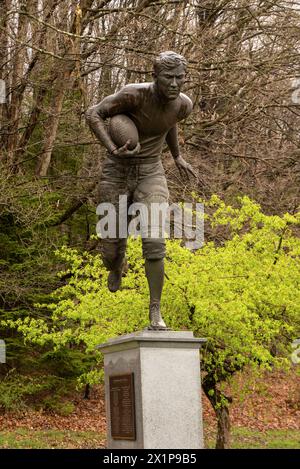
column 161, row 408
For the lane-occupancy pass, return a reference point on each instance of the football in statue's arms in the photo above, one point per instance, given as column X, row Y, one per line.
column 122, row 129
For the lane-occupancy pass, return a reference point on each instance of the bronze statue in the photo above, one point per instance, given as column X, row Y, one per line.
column 155, row 108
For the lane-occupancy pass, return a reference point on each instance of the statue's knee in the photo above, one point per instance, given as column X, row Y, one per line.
column 113, row 254
column 154, row 248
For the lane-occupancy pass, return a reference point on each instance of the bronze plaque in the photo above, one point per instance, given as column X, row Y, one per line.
column 122, row 407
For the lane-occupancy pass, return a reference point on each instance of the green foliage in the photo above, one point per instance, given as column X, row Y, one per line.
column 241, row 294
column 55, row 404
column 11, row 394
column 42, row 391
column 28, row 210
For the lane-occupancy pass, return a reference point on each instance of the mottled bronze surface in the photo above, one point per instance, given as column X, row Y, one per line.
column 155, row 108
column 122, row 407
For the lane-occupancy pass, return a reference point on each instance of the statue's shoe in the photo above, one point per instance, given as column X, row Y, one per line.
column 114, row 280
column 156, row 321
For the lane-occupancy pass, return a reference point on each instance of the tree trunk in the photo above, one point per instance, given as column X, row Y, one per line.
column 50, row 131
column 223, row 435
column 65, row 80
column 16, row 95
column 220, row 404
column 3, row 74
column 87, row 391
column 37, row 67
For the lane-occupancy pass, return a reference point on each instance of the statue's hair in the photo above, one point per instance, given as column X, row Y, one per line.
column 166, row 60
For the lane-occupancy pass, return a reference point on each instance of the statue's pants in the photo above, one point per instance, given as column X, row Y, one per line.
column 142, row 181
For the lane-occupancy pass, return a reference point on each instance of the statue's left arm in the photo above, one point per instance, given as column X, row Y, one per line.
column 172, row 140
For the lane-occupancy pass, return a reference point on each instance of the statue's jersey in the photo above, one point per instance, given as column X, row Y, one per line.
column 152, row 117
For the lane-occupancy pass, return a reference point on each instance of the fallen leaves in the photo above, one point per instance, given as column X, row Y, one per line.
column 271, row 403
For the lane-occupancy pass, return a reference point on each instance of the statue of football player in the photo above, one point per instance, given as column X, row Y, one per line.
column 155, row 108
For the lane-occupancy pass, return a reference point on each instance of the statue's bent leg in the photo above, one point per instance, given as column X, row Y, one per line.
column 111, row 187
column 113, row 252
column 113, row 256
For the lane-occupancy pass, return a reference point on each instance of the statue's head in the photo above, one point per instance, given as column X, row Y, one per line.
column 169, row 74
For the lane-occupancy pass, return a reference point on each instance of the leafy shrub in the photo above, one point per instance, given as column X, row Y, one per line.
column 18, row 391
column 240, row 292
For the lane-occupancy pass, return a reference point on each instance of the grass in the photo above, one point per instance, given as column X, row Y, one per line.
column 24, row 438
column 240, row 438
column 245, row 438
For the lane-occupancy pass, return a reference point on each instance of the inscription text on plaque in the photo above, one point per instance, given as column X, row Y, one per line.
column 122, row 407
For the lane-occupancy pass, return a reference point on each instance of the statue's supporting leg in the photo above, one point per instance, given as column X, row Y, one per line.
column 155, row 275
column 152, row 192
column 155, row 272
column 154, row 253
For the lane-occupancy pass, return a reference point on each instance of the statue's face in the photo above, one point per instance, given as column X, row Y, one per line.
column 169, row 82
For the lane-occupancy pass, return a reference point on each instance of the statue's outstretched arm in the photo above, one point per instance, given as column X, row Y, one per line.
column 183, row 166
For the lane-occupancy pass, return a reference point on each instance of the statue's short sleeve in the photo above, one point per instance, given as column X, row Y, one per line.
column 126, row 100
column 185, row 108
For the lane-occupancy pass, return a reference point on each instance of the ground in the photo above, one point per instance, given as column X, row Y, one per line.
column 266, row 416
